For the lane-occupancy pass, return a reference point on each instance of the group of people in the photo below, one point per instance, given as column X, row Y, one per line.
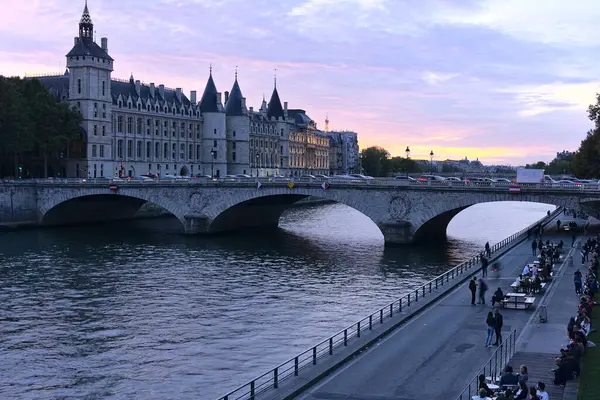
column 512, row 387
column 568, row 363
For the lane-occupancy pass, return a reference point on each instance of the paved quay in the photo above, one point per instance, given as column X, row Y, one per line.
column 435, row 354
column 539, row 343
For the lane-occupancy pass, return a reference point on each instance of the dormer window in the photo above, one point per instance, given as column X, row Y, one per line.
column 139, row 107
column 129, row 104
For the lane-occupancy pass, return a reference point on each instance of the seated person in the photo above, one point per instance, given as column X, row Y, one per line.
column 508, row 378
column 564, row 370
column 521, row 392
column 498, row 296
column 483, row 385
column 536, row 284
column 526, row 270
column 523, row 374
column 507, row 395
column 481, row 396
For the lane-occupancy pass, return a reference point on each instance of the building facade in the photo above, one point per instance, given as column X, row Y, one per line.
column 133, row 129
column 344, row 153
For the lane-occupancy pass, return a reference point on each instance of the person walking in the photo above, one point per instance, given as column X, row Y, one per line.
column 491, row 325
column 577, row 281
column 488, row 250
column 534, row 247
column 499, row 321
column 473, row 289
column 558, row 225
column 482, row 289
column 484, row 266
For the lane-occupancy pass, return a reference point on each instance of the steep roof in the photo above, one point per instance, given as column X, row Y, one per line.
column 234, row 104
column 86, row 47
column 274, row 109
column 208, row 103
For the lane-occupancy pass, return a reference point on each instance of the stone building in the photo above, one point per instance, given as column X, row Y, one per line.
column 344, row 153
column 130, row 128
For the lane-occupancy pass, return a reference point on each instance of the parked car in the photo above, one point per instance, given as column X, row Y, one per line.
column 405, row 178
column 321, row 176
column 501, row 180
column 360, row 176
column 453, row 179
column 427, row 178
column 307, row 177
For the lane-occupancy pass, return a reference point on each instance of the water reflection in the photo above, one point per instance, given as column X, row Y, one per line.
column 124, row 311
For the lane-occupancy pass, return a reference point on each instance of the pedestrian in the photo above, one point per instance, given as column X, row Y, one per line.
column 482, row 290
column 540, row 245
column 473, row 289
column 577, row 281
column 558, row 225
column 488, row 250
column 497, row 297
column 484, row 266
column 534, row 247
column 499, row 321
column 491, row 325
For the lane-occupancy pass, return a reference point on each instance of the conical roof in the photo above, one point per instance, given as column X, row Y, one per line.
column 275, row 109
column 85, row 17
column 234, row 104
column 208, row 103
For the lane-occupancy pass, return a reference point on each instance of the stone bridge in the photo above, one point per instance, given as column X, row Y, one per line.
column 403, row 213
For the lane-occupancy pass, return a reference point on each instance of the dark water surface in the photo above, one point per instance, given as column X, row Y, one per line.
column 121, row 312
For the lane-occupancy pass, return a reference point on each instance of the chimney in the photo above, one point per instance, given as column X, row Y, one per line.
column 218, row 98
column 193, row 96
column 251, row 109
column 178, row 94
column 161, row 91
column 75, row 41
column 104, row 44
column 226, row 96
column 285, row 106
column 137, row 87
column 152, row 90
column 243, row 103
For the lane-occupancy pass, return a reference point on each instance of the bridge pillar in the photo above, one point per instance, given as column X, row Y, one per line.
column 395, row 233
column 195, row 224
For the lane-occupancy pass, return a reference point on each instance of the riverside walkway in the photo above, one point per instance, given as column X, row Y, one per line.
column 435, row 354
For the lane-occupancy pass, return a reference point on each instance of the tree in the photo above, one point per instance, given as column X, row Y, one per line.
column 586, row 162
column 375, row 161
column 403, row 164
column 33, row 122
column 537, row 165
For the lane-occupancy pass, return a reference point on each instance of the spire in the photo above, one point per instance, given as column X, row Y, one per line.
column 326, row 123
column 208, row 103
column 86, row 26
column 235, row 103
column 274, row 78
column 275, row 109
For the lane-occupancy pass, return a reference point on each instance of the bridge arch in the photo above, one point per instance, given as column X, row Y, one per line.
column 99, row 205
column 263, row 208
column 432, row 224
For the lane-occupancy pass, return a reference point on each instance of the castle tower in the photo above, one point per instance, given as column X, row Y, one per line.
column 214, row 136
column 238, row 131
column 279, row 114
column 90, row 69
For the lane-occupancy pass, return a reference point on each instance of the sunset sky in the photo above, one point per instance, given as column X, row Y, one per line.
column 507, row 81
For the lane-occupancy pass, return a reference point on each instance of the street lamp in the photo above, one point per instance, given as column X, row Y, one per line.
column 407, row 151
column 431, row 157
column 212, row 163
column 257, row 158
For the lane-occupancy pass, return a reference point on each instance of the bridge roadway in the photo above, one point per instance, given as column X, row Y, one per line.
column 434, row 355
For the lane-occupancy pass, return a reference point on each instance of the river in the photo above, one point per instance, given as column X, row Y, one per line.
column 133, row 311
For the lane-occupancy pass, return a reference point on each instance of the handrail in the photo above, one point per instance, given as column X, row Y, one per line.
column 493, row 367
column 293, row 366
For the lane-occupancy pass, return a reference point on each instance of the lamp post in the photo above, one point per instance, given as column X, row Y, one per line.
column 431, row 158
column 407, row 151
column 212, row 163
column 257, row 158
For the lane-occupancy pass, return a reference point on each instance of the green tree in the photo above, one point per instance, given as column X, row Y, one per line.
column 537, row 165
column 375, row 161
column 33, row 122
column 586, row 162
column 404, row 165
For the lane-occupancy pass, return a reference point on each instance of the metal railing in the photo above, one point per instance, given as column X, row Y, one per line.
column 494, row 367
column 316, row 183
column 292, row 367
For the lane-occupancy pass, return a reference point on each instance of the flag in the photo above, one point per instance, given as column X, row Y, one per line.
column 258, row 185
column 325, row 185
